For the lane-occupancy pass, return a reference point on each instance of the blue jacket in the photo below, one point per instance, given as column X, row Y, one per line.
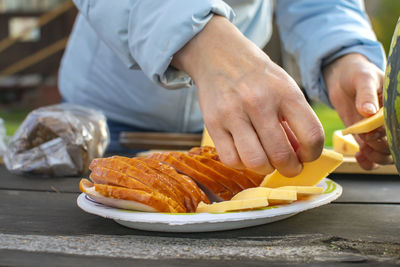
column 119, row 53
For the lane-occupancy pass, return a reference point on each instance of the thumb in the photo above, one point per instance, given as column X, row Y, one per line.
column 367, row 103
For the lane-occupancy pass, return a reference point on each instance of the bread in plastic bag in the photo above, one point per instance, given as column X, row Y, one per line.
column 3, row 138
column 58, row 140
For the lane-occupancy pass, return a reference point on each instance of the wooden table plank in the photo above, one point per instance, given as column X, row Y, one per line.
column 51, row 223
column 26, row 258
column 368, row 189
column 35, row 182
column 57, row 214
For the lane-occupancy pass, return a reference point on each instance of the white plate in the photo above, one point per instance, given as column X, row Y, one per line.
column 207, row 222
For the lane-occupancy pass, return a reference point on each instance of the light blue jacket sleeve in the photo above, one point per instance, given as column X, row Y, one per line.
column 318, row 31
column 146, row 34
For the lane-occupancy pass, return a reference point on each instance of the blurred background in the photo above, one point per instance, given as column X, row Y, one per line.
column 33, row 34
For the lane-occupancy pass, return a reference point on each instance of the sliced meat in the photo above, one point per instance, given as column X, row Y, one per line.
column 213, row 189
column 191, row 186
column 110, row 163
column 121, row 164
column 192, row 196
column 206, row 151
column 211, row 152
column 106, row 176
column 253, row 176
column 145, row 174
column 102, row 175
column 206, row 170
column 238, row 177
column 126, row 198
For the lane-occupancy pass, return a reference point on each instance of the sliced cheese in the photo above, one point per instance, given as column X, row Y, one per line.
column 304, row 191
column 344, row 144
column 366, row 125
column 312, row 173
column 233, row 205
column 206, row 139
column 270, row 193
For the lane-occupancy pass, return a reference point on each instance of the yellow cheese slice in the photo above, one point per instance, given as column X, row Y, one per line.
column 275, row 196
column 312, row 173
column 270, row 193
column 206, row 139
column 233, row 205
column 344, row 144
column 366, row 125
column 303, row 191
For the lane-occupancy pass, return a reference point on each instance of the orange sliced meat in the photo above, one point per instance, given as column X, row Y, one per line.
column 126, row 198
column 146, row 175
column 192, row 198
column 253, row 176
column 206, row 151
column 120, row 164
column 206, row 170
column 197, row 194
column 179, row 187
column 211, row 152
column 102, row 175
column 214, row 190
column 238, row 177
column 110, row 163
column 106, row 176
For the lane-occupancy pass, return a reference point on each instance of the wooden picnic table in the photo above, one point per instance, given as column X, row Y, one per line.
column 41, row 225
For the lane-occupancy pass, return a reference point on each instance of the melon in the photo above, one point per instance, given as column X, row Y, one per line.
column 391, row 97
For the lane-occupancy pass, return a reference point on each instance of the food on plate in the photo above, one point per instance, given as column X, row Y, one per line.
column 125, row 198
column 312, row 173
column 366, row 125
column 181, row 182
column 233, row 205
column 275, row 196
column 344, row 144
column 304, row 191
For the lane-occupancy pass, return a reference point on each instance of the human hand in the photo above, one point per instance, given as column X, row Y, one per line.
column 355, row 90
column 254, row 111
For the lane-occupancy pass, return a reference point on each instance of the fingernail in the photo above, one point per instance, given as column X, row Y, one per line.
column 369, row 108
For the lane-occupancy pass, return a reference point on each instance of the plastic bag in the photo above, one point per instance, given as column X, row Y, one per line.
column 3, row 138
column 59, row 140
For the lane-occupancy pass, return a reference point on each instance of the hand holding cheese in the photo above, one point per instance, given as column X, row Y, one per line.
column 366, row 125
column 245, row 97
column 312, row 174
column 355, row 86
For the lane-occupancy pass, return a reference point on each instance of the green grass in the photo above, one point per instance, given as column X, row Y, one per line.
column 330, row 121
column 12, row 119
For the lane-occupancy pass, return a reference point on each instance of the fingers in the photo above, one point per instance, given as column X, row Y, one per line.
column 377, row 140
column 306, row 127
column 364, row 162
column 367, row 86
column 375, row 156
column 225, row 146
column 273, row 138
column 279, row 150
column 250, row 149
